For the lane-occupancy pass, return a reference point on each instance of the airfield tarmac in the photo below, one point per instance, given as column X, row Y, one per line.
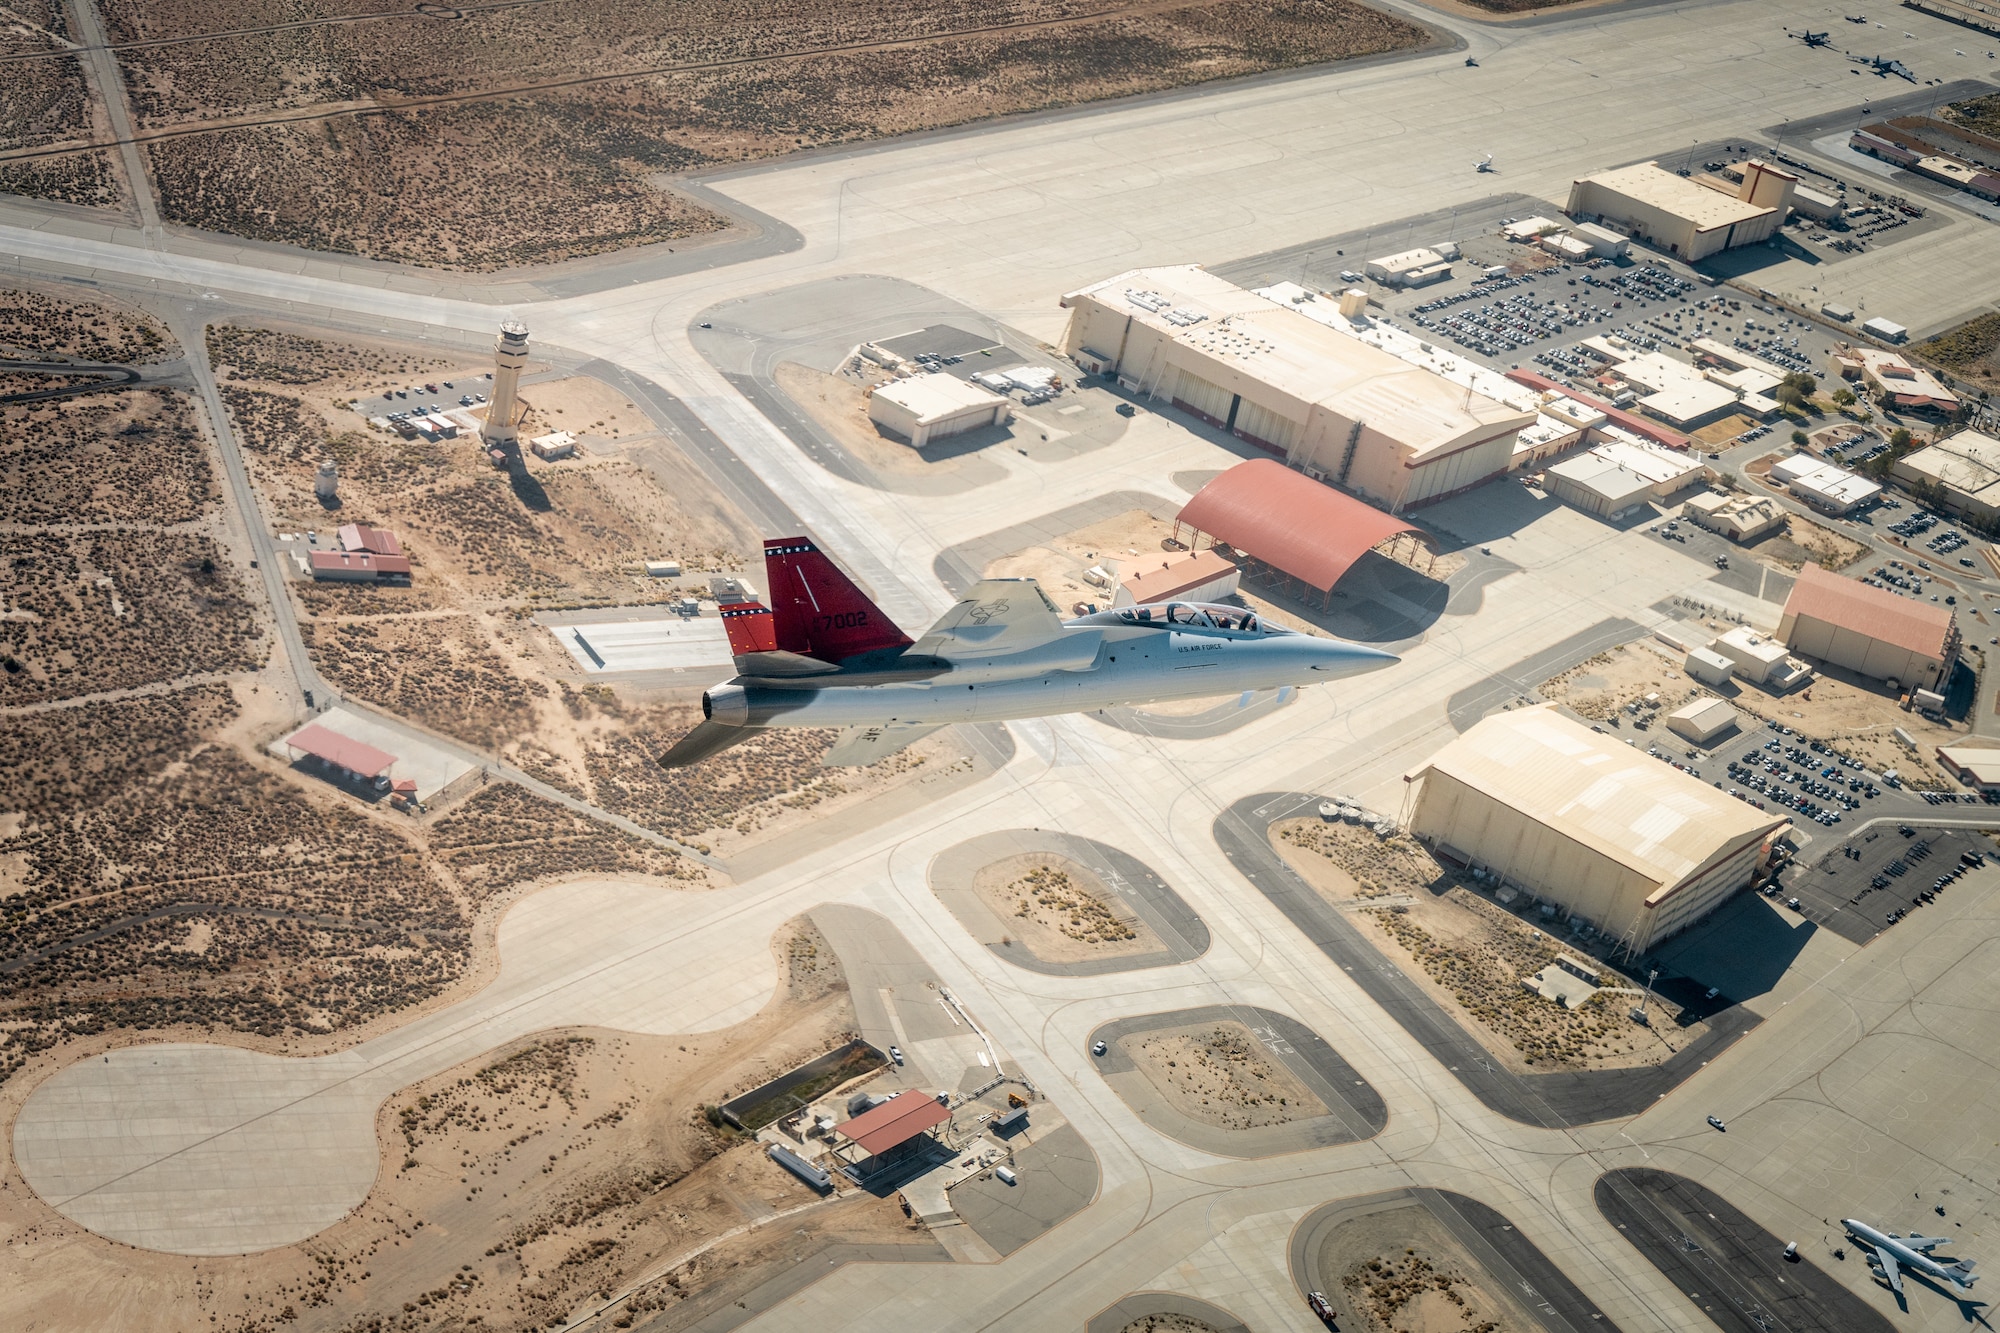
column 1866, row 1079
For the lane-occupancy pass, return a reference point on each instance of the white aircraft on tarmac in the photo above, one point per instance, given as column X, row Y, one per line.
column 1894, row 1253
column 823, row 655
column 1484, row 163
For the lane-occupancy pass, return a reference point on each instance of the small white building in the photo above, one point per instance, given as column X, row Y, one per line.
column 1829, row 489
column 1760, row 660
column 1888, row 330
column 554, row 445
column 1411, row 268
column 1621, row 472
column 924, row 408
column 1741, row 518
column 1531, row 229
column 1710, row 667
column 1702, row 720
column 1604, row 243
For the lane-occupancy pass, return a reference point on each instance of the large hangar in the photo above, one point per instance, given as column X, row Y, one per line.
column 1293, row 526
column 1870, row 631
column 1634, row 846
column 1327, row 403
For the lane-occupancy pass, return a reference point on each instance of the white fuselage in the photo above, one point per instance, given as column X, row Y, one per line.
column 1891, row 1248
column 1114, row 666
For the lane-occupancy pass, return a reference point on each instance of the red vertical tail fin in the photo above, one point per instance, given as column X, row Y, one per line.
column 818, row 610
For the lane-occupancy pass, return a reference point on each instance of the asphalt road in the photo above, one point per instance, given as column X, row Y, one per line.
column 1727, row 1264
column 1555, row 1100
column 1503, row 1252
column 1521, row 679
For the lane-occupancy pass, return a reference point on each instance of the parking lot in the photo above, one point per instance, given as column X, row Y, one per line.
column 1877, row 876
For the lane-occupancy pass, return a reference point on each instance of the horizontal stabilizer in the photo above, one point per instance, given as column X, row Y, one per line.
column 781, row 665
column 710, row 738
column 994, row 617
column 861, row 746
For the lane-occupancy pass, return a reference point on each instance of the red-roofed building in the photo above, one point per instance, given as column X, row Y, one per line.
column 1870, row 631
column 1295, row 526
column 375, row 541
column 353, row 759
column 892, row 1132
column 357, row 567
column 1187, row 576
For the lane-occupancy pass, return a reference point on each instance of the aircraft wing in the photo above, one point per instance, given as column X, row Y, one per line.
column 993, row 618
column 708, row 738
column 1926, row 1243
column 1891, row 1270
column 860, row 746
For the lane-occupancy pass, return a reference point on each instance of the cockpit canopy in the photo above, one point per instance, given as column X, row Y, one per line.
column 1184, row 615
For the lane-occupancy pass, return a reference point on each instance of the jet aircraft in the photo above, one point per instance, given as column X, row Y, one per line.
column 1893, row 1253
column 823, row 655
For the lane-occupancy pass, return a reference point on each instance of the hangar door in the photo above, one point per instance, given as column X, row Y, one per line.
column 1211, row 402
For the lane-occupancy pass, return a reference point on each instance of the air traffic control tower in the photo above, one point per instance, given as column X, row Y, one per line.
column 510, row 357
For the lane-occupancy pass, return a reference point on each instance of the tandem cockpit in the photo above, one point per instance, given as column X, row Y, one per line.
column 1231, row 620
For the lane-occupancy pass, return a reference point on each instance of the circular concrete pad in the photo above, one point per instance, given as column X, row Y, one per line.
column 1351, row 1109
column 1117, row 1318
column 1181, row 933
column 199, row 1149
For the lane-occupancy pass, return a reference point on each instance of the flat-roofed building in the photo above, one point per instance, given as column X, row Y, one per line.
column 1870, row 631
column 1411, row 268
column 1761, row 660
column 1183, row 576
column 1612, row 477
column 1604, row 243
column 1326, row 402
column 1634, row 846
column 1977, row 766
column 1741, row 518
column 1963, row 469
column 1679, row 216
column 1531, row 229
column 1829, row 489
column 1910, row 388
column 931, row 407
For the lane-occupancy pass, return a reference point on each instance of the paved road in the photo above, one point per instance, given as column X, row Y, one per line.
column 1520, row 680
column 1732, row 1267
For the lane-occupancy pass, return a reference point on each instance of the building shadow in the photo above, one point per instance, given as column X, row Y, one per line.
column 1743, row 950
column 330, row 503
column 529, row 491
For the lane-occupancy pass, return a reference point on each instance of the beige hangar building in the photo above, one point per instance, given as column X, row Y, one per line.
column 1579, row 819
column 1328, row 404
column 1682, row 215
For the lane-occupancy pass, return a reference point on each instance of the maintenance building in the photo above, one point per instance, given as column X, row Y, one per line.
column 931, row 407
column 1613, row 478
column 1829, row 489
column 1681, row 216
column 1182, row 576
column 1327, row 403
column 1871, row 631
column 1964, row 467
column 1606, row 833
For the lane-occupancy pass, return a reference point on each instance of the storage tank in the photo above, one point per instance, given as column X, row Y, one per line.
column 326, row 482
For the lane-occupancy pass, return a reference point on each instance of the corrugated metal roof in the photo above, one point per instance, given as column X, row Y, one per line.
column 1290, row 522
column 352, row 755
column 362, row 561
column 895, row 1121
column 1619, row 801
column 1875, row 612
column 375, row 541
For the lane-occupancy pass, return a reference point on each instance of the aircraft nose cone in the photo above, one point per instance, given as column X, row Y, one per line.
column 1349, row 659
